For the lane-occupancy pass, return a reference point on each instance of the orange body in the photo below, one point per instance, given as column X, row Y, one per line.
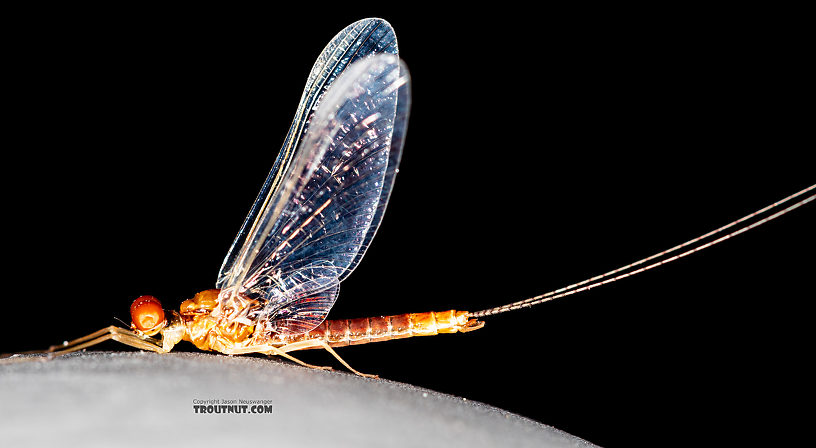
column 205, row 325
column 339, row 333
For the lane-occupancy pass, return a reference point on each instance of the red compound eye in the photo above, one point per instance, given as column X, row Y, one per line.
column 146, row 313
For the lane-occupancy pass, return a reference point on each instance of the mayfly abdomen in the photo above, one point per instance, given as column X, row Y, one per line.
column 343, row 332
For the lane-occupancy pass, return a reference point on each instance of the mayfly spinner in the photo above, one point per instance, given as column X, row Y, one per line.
column 315, row 217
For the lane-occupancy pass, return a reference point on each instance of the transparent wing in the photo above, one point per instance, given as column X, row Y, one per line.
column 314, row 229
column 394, row 155
column 357, row 41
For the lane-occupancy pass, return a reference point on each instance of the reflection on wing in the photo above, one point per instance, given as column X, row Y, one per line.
column 357, row 41
column 316, row 227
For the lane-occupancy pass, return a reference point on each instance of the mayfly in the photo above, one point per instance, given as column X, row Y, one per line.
column 316, row 215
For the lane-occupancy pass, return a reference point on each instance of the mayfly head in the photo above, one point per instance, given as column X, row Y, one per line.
column 147, row 315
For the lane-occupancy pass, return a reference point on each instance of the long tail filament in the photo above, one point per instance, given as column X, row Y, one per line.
column 661, row 257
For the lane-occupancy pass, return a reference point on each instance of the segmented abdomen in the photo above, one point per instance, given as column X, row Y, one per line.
column 383, row 328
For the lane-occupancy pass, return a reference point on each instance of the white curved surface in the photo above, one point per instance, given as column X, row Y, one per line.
column 144, row 399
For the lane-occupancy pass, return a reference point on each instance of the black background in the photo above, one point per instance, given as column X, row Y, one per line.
column 543, row 148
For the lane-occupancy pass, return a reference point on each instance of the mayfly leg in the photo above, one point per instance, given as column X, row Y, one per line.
column 271, row 350
column 267, row 349
column 118, row 334
column 320, row 343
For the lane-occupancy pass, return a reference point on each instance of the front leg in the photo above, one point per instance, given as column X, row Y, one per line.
column 118, row 334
